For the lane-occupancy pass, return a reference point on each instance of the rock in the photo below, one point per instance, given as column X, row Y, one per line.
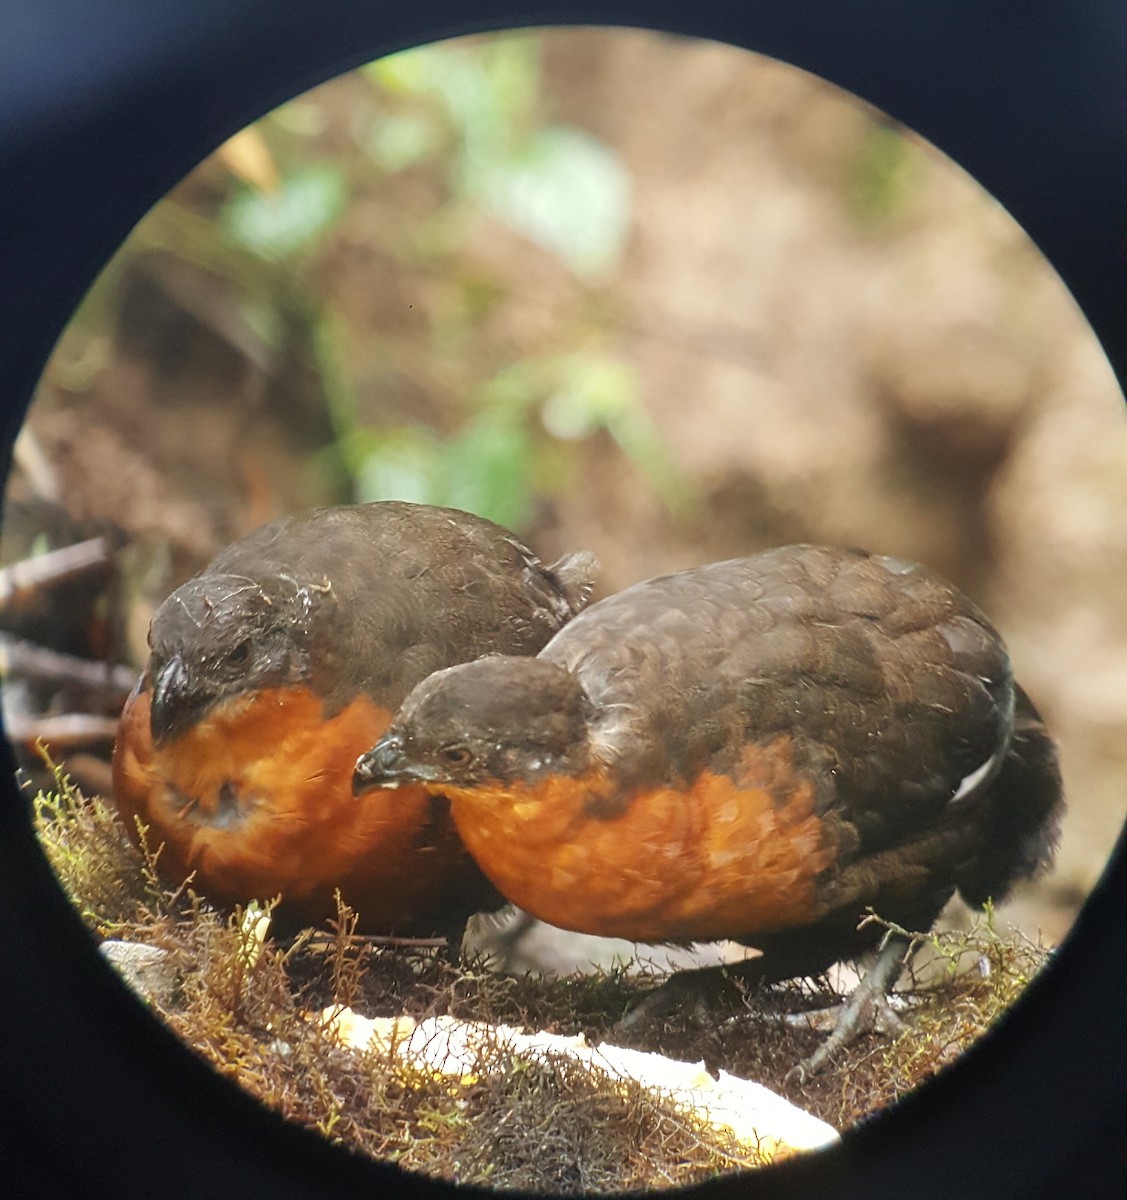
column 146, row 969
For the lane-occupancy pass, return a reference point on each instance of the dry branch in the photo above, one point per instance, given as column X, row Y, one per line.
column 26, row 660
column 23, row 582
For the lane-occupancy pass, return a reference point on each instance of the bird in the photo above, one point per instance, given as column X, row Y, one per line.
column 767, row 750
column 273, row 668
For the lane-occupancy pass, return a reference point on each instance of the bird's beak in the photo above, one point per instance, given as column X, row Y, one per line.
column 386, row 766
column 166, row 705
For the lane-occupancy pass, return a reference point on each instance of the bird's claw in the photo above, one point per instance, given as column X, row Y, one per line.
column 688, row 994
column 867, row 1009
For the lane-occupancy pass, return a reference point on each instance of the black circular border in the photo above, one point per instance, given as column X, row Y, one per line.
column 104, row 105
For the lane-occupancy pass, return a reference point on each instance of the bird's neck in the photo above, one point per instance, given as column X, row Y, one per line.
column 536, row 811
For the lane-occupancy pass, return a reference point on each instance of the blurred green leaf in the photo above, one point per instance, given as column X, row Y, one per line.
column 328, row 336
column 406, row 72
column 403, row 465
column 396, row 142
column 291, row 219
column 595, row 392
column 303, row 116
column 487, row 90
column 483, row 469
column 592, row 392
column 884, row 174
column 556, row 185
column 514, row 388
column 487, row 470
column 565, row 191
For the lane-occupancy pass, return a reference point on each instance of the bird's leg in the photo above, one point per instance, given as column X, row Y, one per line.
column 449, row 950
column 866, row 1003
column 690, row 992
column 695, row 991
column 494, row 937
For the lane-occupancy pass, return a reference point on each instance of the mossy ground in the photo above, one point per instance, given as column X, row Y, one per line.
column 249, row 1006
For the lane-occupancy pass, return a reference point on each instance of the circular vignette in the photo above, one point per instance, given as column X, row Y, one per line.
column 100, row 114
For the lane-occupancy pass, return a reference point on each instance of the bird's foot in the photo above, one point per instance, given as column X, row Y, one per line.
column 495, row 937
column 688, row 994
column 886, row 1017
column 866, row 1009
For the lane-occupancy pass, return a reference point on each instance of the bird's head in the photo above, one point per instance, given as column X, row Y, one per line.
column 218, row 637
column 502, row 719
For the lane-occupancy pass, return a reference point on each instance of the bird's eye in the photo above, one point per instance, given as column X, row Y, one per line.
column 456, row 756
column 239, row 654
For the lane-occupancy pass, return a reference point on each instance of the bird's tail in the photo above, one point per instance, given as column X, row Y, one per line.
column 1023, row 812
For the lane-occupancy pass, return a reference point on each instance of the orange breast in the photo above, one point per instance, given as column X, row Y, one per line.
column 720, row 858
column 257, row 801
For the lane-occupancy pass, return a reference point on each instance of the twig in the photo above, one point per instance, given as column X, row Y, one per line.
column 31, row 459
column 62, row 732
column 22, row 582
column 26, row 660
column 324, row 942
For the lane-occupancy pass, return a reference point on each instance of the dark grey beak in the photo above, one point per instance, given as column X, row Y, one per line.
column 168, row 714
column 386, row 766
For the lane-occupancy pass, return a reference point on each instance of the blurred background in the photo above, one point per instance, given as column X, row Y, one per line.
column 654, row 297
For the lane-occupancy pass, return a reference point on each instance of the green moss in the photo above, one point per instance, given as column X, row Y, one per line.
column 112, row 882
column 250, row 1006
